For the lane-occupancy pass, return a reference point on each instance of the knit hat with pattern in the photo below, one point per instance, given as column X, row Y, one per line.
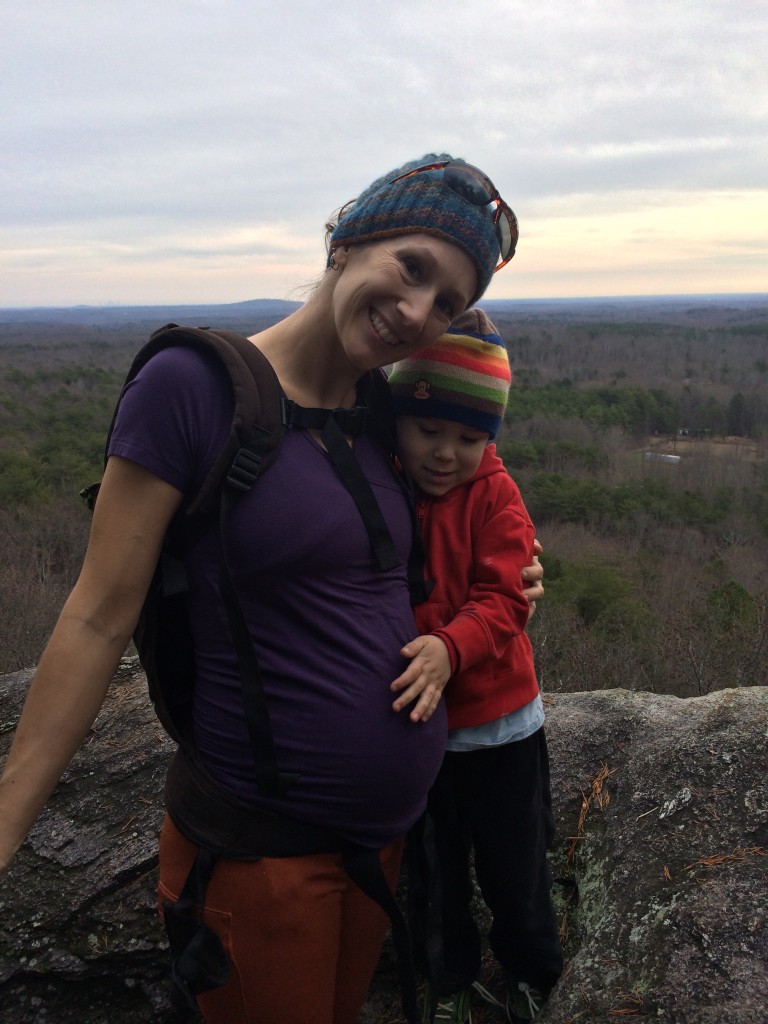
column 422, row 203
column 464, row 376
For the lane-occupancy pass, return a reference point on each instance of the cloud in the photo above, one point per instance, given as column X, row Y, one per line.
column 178, row 133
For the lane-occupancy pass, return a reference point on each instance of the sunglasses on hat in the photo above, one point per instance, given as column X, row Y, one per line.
column 477, row 188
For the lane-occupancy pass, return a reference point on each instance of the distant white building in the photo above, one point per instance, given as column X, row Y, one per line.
column 660, row 457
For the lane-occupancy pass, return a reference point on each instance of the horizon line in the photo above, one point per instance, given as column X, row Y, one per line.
column 632, row 297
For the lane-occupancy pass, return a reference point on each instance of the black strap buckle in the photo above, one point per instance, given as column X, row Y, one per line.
column 353, row 422
column 200, row 962
column 245, row 469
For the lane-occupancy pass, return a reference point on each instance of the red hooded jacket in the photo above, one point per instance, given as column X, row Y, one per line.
column 478, row 539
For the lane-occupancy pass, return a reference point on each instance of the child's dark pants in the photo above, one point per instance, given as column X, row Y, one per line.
column 496, row 800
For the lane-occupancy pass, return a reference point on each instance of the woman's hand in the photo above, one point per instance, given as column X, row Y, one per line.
column 533, row 576
column 425, row 677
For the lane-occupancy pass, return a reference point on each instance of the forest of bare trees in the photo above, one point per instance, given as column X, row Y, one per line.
column 638, row 434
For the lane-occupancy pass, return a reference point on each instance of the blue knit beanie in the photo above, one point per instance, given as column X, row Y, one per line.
column 422, row 203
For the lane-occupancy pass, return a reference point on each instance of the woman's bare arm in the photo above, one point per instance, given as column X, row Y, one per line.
column 132, row 514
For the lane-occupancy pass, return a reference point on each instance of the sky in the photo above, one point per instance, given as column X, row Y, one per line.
column 175, row 151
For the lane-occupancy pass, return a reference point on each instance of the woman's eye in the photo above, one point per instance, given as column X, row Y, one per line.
column 446, row 308
column 413, row 268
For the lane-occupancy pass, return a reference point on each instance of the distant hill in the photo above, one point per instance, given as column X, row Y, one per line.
column 669, row 308
column 678, row 309
column 111, row 315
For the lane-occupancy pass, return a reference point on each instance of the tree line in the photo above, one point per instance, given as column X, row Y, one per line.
column 643, row 411
column 656, row 574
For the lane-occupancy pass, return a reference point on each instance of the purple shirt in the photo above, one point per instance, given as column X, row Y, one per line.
column 327, row 624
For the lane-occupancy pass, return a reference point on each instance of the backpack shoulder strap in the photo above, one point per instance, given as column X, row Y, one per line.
column 162, row 634
column 257, row 421
column 257, row 424
column 374, row 391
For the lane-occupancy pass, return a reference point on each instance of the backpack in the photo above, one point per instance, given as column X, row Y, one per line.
column 261, row 415
column 163, row 641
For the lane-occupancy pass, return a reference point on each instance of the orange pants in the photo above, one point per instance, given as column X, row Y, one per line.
column 302, row 939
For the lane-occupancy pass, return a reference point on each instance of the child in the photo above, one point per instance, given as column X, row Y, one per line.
column 492, row 793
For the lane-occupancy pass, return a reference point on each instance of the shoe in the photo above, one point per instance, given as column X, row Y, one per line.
column 523, row 1002
column 485, row 995
column 453, row 1009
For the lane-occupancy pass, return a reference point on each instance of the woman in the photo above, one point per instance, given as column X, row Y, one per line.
column 416, row 248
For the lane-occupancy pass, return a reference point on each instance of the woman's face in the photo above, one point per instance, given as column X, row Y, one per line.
column 395, row 296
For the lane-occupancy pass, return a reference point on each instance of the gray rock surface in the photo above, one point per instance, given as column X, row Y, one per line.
column 79, row 936
column 662, row 807
column 662, row 861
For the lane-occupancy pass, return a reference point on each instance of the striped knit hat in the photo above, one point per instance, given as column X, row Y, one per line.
column 421, row 203
column 464, row 376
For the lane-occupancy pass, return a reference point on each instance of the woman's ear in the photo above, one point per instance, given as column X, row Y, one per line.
column 340, row 256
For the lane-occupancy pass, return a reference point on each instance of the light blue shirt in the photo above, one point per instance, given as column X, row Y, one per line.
column 516, row 726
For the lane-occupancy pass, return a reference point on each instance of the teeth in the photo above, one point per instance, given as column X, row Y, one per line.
column 383, row 330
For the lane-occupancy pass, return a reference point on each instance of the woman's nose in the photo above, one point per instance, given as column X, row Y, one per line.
column 415, row 308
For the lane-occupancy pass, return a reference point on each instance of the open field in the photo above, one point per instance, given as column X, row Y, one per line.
column 736, row 449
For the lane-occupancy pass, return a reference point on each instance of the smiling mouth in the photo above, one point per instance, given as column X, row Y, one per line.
column 383, row 329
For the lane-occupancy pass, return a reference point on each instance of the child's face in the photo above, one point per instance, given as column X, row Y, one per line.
column 439, row 454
